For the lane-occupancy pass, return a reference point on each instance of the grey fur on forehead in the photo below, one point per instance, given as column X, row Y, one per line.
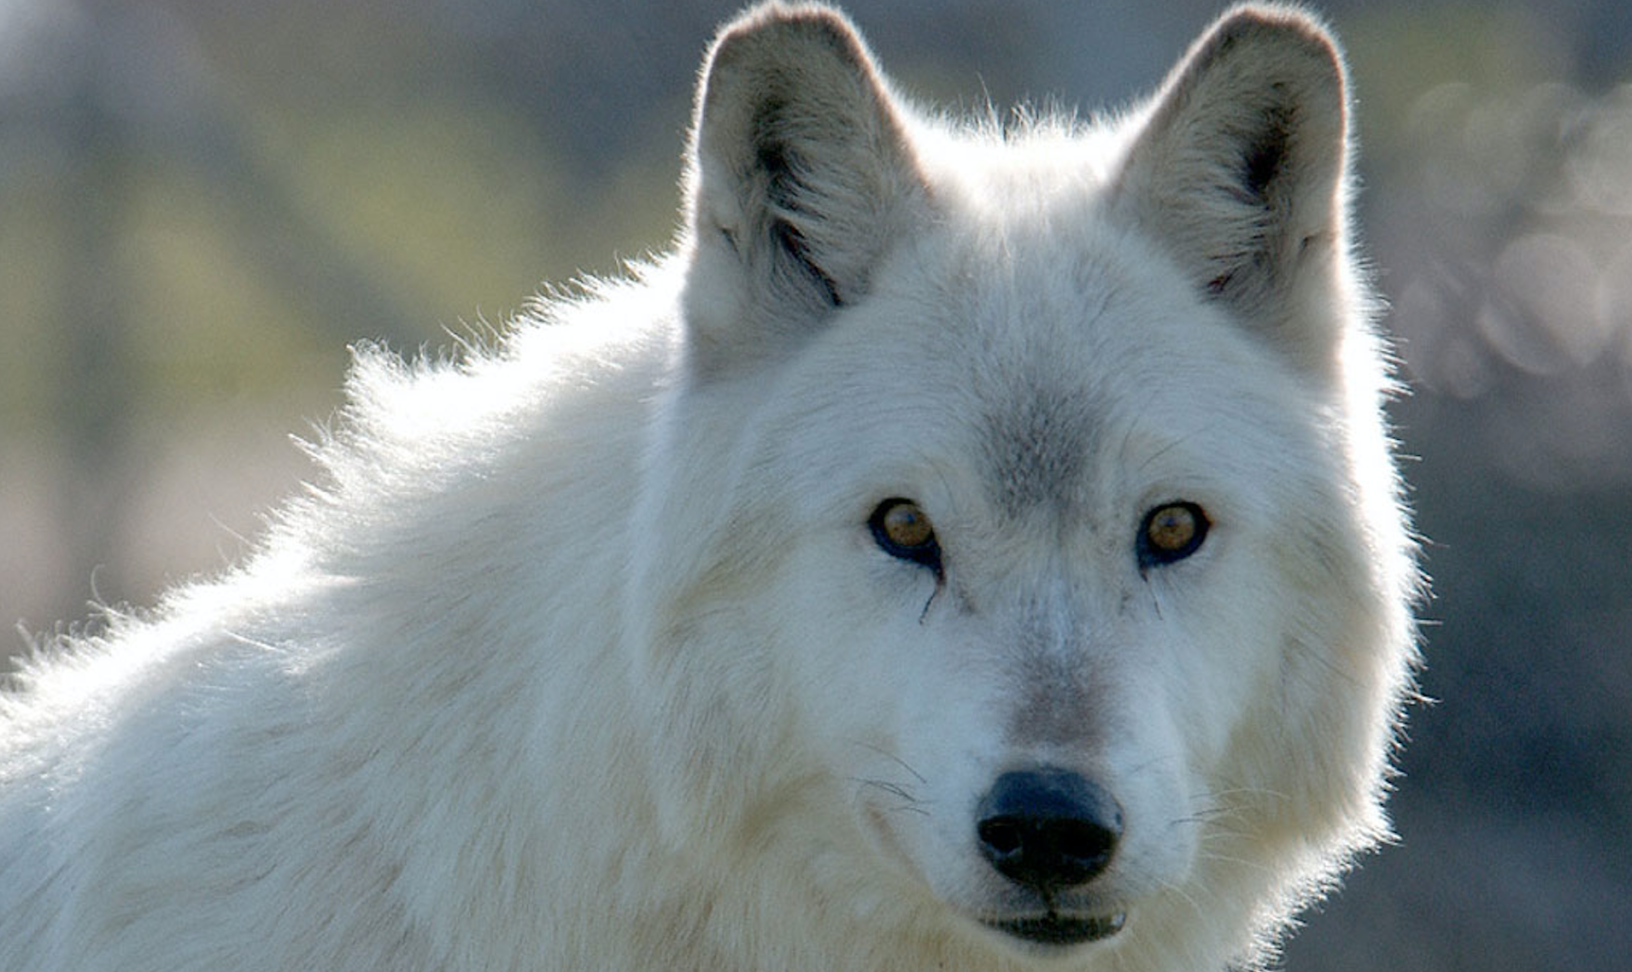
column 1037, row 417
column 1035, row 441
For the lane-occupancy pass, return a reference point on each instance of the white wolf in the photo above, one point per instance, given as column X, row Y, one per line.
column 969, row 549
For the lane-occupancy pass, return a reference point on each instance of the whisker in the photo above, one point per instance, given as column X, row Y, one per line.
column 893, row 758
column 894, row 789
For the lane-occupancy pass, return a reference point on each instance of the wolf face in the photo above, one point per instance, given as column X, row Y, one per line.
column 1026, row 495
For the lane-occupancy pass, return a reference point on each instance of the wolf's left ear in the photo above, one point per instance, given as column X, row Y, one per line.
column 801, row 178
column 1240, row 169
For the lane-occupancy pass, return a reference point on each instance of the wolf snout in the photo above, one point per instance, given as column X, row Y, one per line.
column 1048, row 829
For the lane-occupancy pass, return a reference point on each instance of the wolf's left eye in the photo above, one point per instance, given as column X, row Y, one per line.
column 1170, row 532
column 902, row 529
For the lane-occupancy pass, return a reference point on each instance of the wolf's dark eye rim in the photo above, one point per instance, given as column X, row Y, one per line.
column 1171, row 532
column 902, row 529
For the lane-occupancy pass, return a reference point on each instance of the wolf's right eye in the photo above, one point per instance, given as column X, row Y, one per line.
column 902, row 529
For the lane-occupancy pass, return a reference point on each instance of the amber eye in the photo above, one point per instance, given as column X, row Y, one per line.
column 1172, row 531
column 902, row 529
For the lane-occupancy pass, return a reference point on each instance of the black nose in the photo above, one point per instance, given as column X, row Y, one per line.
column 1048, row 828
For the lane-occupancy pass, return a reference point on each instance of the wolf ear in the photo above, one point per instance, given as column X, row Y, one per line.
column 801, row 175
column 1240, row 169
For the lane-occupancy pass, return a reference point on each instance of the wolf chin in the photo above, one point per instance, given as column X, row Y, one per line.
column 973, row 546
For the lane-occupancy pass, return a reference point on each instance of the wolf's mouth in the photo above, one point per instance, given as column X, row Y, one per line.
column 1055, row 929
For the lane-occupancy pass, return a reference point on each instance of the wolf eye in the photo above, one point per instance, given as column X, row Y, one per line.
column 1172, row 531
column 902, row 529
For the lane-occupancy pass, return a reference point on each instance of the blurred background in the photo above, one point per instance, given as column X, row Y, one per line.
column 203, row 201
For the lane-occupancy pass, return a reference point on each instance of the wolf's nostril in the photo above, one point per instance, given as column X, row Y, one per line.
column 1000, row 834
column 1048, row 828
column 1082, row 848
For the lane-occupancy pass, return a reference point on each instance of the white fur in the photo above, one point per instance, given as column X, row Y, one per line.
column 584, row 656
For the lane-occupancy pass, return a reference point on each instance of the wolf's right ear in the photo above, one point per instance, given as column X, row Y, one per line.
column 801, row 177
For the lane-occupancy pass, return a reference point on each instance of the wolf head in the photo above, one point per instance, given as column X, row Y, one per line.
column 1022, row 528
